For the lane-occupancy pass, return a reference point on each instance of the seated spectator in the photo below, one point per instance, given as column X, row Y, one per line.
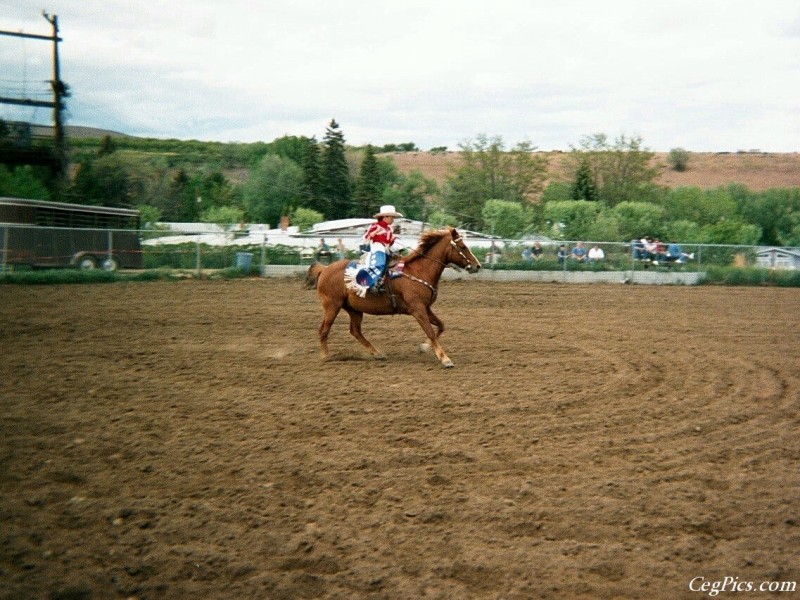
column 562, row 254
column 596, row 254
column 536, row 251
column 579, row 252
column 675, row 254
column 650, row 248
column 527, row 255
column 323, row 250
column 638, row 249
column 493, row 255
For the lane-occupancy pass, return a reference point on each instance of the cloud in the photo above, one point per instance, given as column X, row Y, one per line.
column 706, row 76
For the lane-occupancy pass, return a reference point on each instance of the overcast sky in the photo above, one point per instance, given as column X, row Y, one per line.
column 705, row 75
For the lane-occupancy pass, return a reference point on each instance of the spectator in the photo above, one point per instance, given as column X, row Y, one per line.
column 650, row 248
column 527, row 255
column 341, row 251
column 323, row 250
column 579, row 252
column 562, row 254
column 494, row 254
column 638, row 249
column 675, row 254
column 596, row 254
column 536, row 251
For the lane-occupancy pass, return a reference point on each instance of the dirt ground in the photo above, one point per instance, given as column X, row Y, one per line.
column 183, row 440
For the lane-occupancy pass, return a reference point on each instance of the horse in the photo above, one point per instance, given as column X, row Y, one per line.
column 411, row 293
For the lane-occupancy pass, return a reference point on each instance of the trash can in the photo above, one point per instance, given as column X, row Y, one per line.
column 244, row 260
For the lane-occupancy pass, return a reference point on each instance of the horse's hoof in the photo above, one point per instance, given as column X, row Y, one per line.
column 448, row 364
column 425, row 347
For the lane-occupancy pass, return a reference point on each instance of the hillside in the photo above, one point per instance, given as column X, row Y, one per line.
column 756, row 171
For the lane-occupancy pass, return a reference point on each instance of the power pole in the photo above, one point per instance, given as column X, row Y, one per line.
column 60, row 91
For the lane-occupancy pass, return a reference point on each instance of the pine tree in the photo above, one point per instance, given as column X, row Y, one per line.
column 584, row 188
column 335, row 183
column 368, row 186
column 312, row 181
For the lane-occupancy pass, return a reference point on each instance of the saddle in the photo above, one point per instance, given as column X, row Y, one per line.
column 394, row 269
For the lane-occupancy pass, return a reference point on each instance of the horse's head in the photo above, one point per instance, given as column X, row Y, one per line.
column 458, row 254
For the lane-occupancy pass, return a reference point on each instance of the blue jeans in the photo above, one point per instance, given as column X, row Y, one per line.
column 377, row 265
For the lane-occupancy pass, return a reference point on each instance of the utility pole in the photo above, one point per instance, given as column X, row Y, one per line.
column 60, row 91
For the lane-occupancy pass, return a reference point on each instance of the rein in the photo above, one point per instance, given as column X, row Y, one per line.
column 433, row 289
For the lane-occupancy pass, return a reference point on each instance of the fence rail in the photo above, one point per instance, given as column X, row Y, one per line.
column 212, row 250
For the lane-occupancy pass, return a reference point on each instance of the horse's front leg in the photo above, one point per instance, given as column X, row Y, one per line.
column 422, row 315
column 355, row 330
column 436, row 322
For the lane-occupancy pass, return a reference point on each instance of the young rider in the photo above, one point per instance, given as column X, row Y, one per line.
column 380, row 237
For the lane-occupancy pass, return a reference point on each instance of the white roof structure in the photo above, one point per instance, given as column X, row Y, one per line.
column 349, row 230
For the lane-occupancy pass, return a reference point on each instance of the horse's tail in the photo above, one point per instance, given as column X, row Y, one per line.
column 312, row 275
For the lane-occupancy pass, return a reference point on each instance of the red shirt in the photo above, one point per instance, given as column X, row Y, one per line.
column 380, row 232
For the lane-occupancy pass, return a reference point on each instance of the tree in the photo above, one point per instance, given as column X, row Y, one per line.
column 224, row 216
column 487, row 171
column 107, row 146
column 306, row 218
column 274, row 188
column 621, row 171
column 179, row 199
column 637, row 219
column 368, row 184
column 505, row 219
column 22, row 182
column 731, row 231
column 335, row 186
column 775, row 211
column 413, row 192
column 678, row 159
column 583, row 187
column 704, row 207
column 290, row 146
column 571, row 219
column 312, row 179
column 149, row 215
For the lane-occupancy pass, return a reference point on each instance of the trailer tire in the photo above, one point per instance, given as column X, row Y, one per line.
column 85, row 262
column 110, row 263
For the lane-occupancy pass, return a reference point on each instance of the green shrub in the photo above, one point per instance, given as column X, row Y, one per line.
column 751, row 276
column 678, row 159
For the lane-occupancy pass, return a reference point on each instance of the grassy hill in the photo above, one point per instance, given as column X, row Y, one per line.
column 756, row 170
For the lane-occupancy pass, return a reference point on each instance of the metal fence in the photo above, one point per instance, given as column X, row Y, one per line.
column 23, row 247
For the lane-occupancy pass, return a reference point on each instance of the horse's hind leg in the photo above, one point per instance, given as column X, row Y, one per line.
column 355, row 330
column 329, row 316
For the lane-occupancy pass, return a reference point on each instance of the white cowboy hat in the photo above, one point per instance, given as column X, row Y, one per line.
column 387, row 210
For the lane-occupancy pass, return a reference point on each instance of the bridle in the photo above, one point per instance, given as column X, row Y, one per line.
column 430, row 286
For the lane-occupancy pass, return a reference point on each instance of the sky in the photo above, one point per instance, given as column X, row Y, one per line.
column 703, row 75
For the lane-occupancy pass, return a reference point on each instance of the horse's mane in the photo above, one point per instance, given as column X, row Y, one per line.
column 426, row 241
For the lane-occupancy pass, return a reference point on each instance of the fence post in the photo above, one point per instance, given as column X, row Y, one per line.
column 263, row 269
column 5, row 249
column 110, row 257
column 197, row 259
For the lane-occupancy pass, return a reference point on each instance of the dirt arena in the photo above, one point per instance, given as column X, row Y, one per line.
column 183, row 440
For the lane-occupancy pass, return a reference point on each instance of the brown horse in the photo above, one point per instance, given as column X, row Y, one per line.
column 410, row 294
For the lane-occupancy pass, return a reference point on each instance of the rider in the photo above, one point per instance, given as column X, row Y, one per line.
column 380, row 237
